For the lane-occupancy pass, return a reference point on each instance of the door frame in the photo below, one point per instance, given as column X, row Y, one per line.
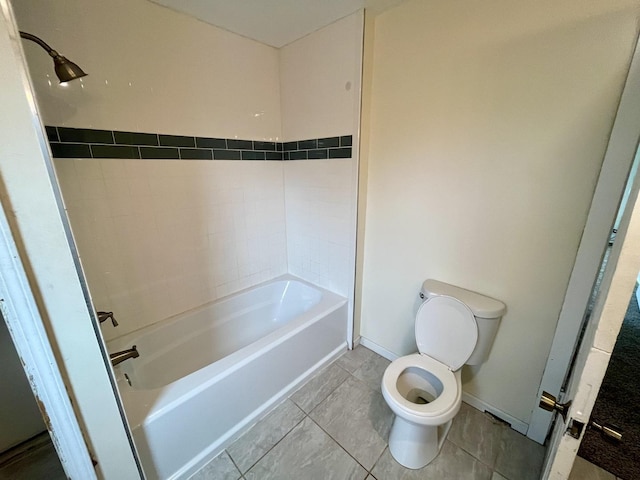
column 20, row 313
column 43, row 294
column 594, row 352
column 616, row 165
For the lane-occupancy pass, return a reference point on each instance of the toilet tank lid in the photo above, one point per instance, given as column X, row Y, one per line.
column 481, row 305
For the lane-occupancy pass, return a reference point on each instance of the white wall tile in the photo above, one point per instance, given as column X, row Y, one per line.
column 151, row 69
column 181, row 240
column 319, row 244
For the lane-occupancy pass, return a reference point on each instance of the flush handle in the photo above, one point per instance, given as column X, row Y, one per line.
column 549, row 403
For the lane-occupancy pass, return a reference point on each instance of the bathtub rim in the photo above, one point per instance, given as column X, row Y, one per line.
column 142, row 406
column 123, row 340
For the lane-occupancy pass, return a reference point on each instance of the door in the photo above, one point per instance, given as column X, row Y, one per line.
column 598, row 342
column 602, row 214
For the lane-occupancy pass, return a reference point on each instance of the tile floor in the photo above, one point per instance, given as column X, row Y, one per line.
column 336, row 427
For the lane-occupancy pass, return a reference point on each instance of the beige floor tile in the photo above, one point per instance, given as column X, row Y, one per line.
column 372, row 370
column 477, row 433
column 249, row 448
column 358, row 418
column 306, row 453
column 451, row 463
column 519, row 458
column 312, row 393
column 220, row 468
column 351, row 360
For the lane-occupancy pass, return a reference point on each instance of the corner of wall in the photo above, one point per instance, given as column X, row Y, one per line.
column 363, row 163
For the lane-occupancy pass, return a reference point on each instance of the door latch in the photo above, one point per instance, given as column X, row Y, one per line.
column 549, row 403
column 608, row 431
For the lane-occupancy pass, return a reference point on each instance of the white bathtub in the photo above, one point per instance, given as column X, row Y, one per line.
column 205, row 376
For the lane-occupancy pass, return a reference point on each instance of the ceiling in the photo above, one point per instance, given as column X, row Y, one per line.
column 273, row 22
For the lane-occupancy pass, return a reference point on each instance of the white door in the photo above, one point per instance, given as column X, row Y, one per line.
column 606, row 200
column 599, row 340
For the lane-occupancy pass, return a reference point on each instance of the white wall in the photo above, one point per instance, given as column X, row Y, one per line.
column 151, row 70
column 488, row 126
column 320, row 92
column 320, row 81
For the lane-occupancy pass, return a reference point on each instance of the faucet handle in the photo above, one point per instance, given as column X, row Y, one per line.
column 104, row 316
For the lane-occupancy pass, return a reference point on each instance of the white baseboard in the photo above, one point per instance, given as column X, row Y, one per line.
column 383, row 352
column 516, row 424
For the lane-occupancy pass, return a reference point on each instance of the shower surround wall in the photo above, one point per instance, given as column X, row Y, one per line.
column 158, row 237
column 322, row 99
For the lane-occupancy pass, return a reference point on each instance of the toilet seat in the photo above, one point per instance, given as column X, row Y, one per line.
column 440, row 410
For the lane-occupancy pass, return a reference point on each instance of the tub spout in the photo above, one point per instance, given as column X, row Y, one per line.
column 119, row 357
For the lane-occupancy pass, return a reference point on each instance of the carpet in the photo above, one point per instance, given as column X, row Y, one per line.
column 618, row 403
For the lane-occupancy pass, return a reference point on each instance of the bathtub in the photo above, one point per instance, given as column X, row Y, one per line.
column 205, row 376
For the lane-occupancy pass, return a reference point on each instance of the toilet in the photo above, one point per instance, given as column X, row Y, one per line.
column 453, row 327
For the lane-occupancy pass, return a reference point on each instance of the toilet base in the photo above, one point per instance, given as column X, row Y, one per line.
column 415, row 446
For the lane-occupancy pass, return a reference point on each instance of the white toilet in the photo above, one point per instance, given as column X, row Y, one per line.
column 453, row 327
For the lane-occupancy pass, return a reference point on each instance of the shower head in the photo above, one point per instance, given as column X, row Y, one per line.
column 65, row 69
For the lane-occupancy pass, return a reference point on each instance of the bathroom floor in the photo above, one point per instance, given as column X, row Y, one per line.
column 336, row 427
column 35, row 459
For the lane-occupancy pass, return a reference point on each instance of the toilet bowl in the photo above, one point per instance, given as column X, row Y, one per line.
column 424, row 390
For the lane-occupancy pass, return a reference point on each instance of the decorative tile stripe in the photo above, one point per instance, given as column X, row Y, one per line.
column 89, row 143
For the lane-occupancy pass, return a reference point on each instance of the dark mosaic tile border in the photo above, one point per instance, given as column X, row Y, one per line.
column 90, row 143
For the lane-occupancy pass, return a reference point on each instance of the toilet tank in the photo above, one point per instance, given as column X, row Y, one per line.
column 488, row 312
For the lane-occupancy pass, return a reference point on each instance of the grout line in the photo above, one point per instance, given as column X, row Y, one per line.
column 234, row 462
column 328, row 395
column 340, row 445
column 379, row 457
column 274, row 445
